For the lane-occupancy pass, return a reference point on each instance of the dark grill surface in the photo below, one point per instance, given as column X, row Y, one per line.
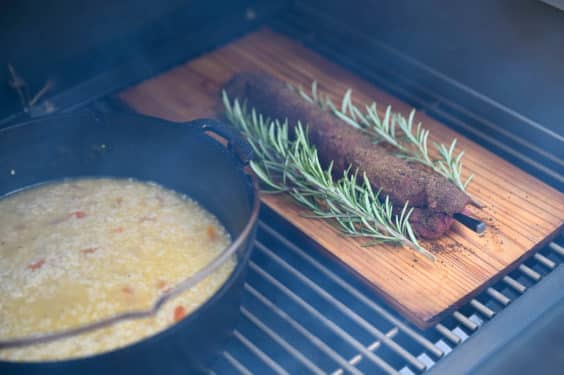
column 304, row 313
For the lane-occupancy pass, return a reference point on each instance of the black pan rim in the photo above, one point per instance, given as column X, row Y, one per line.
column 245, row 235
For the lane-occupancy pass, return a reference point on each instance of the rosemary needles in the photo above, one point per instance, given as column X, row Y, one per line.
column 410, row 141
column 290, row 164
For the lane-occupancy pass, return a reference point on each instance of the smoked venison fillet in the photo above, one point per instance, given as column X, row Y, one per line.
column 433, row 197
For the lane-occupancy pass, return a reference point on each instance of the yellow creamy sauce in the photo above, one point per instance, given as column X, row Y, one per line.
column 75, row 252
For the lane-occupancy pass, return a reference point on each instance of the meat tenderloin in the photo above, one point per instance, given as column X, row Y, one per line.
column 432, row 196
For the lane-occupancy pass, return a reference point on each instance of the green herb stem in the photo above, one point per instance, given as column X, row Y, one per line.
column 411, row 141
column 290, row 164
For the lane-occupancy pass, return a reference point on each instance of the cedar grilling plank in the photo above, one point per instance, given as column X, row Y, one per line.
column 433, row 197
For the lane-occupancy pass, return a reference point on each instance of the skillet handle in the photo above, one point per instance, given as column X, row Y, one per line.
column 235, row 141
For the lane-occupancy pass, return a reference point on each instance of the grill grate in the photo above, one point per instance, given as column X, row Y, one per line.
column 305, row 313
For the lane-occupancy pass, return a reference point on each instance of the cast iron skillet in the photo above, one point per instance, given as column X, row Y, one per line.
column 181, row 157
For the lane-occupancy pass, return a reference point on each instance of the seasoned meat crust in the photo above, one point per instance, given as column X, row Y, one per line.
column 434, row 198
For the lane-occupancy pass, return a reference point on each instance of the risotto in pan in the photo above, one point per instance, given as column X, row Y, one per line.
column 78, row 251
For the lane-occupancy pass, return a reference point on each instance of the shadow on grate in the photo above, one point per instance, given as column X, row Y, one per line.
column 305, row 313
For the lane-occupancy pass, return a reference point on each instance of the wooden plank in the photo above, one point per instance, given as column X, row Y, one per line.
column 522, row 212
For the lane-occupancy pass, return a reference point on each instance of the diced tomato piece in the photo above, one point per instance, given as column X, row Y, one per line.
column 127, row 290
column 179, row 313
column 37, row 265
column 211, row 232
column 118, row 230
column 161, row 284
column 89, row 250
column 79, row 214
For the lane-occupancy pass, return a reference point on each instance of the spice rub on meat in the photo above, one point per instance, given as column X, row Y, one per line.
column 432, row 196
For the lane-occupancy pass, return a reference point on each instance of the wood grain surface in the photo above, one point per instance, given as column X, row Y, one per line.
column 521, row 212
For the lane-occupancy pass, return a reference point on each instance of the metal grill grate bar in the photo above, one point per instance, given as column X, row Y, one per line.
column 236, row 364
column 280, row 341
column 530, row 272
column 448, row 334
column 544, row 261
column 462, row 319
column 335, row 328
column 514, row 284
column 259, row 353
column 372, row 347
column 499, row 297
column 353, row 291
column 344, row 309
column 302, row 330
column 556, row 248
column 483, row 309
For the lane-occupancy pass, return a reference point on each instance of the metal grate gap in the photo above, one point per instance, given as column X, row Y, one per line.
column 236, row 364
column 282, row 270
column 259, row 353
column 331, row 325
column 316, row 341
column 280, row 341
column 353, row 291
column 372, row 347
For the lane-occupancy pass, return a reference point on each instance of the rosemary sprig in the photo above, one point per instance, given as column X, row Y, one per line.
column 397, row 130
column 291, row 165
